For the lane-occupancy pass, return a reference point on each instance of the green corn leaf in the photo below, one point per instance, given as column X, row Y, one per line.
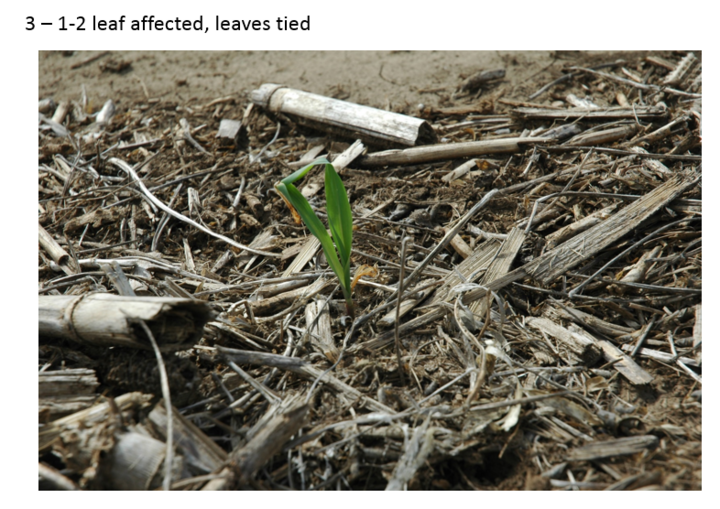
column 292, row 178
column 339, row 219
column 314, row 225
column 339, row 212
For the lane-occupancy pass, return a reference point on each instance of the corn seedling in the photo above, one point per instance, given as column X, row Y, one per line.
column 339, row 219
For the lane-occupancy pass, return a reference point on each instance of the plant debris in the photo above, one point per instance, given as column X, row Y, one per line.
column 527, row 297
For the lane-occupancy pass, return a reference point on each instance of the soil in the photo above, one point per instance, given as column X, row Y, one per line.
column 397, row 81
column 179, row 84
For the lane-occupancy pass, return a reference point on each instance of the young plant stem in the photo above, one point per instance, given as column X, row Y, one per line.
column 337, row 248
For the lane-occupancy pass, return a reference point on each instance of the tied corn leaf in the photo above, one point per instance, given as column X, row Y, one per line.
column 339, row 219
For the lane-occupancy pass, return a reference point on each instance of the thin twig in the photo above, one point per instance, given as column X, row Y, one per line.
column 165, row 386
column 259, row 155
column 236, row 201
column 272, row 398
column 397, row 309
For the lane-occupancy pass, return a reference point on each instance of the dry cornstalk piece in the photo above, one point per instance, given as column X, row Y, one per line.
column 603, row 137
column 660, row 133
column 697, row 332
column 280, row 288
column 274, row 304
column 579, row 226
column 103, row 319
column 417, row 449
column 308, row 157
column 105, row 115
column 201, row 454
column 266, row 439
column 547, row 212
column 96, row 218
column 636, row 273
column 187, row 251
column 256, row 206
column 562, row 132
column 65, row 391
column 58, row 129
column 447, row 151
column 584, row 349
column 652, row 164
column 460, row 171
column 320, row 334
column 637, row 481
column 622, row 99
column 348, row 156
column 56, row 252
column 632, row 75
column 556, row 262
column 611, row 448
column 572, row 409
column 657, row 355
column 500, row 264
column 48, row 474
column 135, row 463
column 308, row 250
column 229, row 131
column 55, row 407
column 691, row 140
column 612, row 113
column 61, row 112
column 471, row 268
column 584, row 103
column 405, row 307
column 66, row 382
column 46, row 105
column 459, row 245
column 621, row 362
column 660, row 62
column 89, row 417
column 369, row 124
column 556, row 312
